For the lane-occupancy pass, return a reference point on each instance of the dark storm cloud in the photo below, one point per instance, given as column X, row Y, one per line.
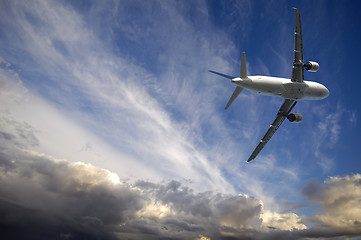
column 52, row 198
column 46, row 198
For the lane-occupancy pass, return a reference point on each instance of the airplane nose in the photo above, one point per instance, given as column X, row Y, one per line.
column 326, row 92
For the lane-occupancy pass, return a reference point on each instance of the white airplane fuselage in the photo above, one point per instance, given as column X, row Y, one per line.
column 283, row 87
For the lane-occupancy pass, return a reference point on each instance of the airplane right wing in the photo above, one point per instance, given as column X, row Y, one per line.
column 297, row 69
column 283, row 112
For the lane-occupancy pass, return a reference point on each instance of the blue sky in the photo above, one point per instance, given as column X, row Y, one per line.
column 115, row 97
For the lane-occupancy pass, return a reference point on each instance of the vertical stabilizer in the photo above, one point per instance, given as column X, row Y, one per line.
column 243, row 66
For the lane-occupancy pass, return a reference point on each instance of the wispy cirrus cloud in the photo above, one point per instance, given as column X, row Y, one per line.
column 119, row 101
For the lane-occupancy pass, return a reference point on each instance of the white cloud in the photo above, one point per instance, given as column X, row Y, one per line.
column 330, row 126
column 56, row 197
column 282, row 221
column 328, row 133
column 339, row 199
column 53, row 132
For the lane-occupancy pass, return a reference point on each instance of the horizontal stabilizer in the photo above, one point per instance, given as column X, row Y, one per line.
column 235, row 94
column 223, row 75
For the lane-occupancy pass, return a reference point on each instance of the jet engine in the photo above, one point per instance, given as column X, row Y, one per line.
column 311, row 66
column 294, row 117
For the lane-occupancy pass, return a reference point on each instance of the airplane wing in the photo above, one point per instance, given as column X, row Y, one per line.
column 297, row 69
column 285, row 109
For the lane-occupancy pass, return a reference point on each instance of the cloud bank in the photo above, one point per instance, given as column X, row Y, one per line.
column 46, row 198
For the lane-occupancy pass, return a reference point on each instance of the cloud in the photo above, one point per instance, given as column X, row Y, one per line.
column 340, row 201
column 55, row 198
column 24, row 133
column 329, row 129
column 42, row 197
column 157, row 120
column 282, row 221
column 132, row 80
column 50, row 198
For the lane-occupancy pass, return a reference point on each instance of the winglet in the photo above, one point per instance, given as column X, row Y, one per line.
column 250, row 159
column 243, row 66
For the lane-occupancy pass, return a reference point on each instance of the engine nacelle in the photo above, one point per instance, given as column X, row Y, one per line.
column 311, row 66
column 295, row 117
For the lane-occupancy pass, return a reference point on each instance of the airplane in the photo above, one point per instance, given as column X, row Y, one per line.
column 292, row 90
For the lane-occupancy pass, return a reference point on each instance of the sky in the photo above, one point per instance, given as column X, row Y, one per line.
column 111, row 126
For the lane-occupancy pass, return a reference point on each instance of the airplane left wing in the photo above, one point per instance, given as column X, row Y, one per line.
column 283, row 112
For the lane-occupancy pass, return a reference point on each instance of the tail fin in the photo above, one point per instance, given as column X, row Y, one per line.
column 243, row 75
column 243, row 66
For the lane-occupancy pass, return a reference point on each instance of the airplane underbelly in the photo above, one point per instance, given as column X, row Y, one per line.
column 285, row 87
column 269, row 86
column 294, row 90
